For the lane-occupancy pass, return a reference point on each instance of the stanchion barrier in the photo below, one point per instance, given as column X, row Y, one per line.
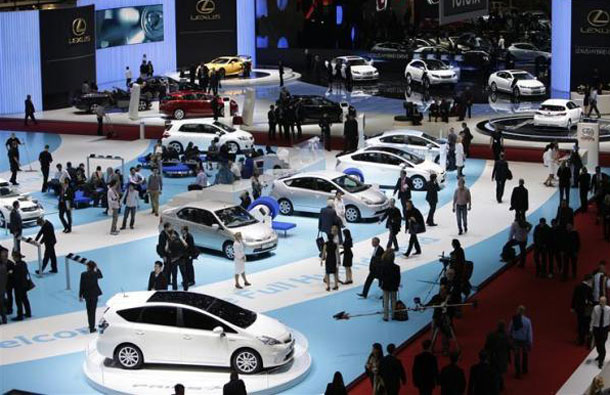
column 105, row 157
column 78, row 259
column 32, row 241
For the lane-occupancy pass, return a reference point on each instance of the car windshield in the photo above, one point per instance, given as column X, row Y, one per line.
column 416, row 160
column 550, row 107
column 224, row 127
column 226, row 311
column 350, row 184
column 436, row 65
column 357, row 62
column 431, row 138
column 523, row 76
column 234, row 217
column 220, row 60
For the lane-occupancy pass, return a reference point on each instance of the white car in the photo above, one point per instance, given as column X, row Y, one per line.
column 526, row 52
column 382, row 165
column 517, row 82
column 187, row 328
column 30, row 209
column 558, row 113
column 362, row 69
column 201, row 132
column 430, row 72
column 413, row 141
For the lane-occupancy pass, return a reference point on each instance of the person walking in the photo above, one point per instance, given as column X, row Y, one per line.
column 390, row 282
column 571, row 251
column 89, row 291
column 414, row 226
column 239, row 258
column 114, row 205
column 29, row 111
column 519, row 200
column 497, row 346
column 517, row 236
column 565, row 181
column 542, row 247
column 66, row 202
column 521, row 336
column 462, row 203
column 460, row 157
column 403, row 188
column 154, row 188
column 432, row 190
column 600, row 323
column 483, row 380
column 392, row 371
column 280, row 68
column 192, row 252
column 582, row 306
column 374, row 267
column 4, row 274
column 467, row 138
column 13, row 159
column 46, row 236
column 350, row 134
column 328, row 218
column 330, row 258
column 500, row 174
column 131, row 204
column 584, row 186
column 21, row 282
column 371, row 368
column 393, row 221
column 16, row 226
column 348, row 255
column 497, row 144
column 452, row 379
column 272, row 121
column 593, row 101
column 425, row 370
column 157, row 280
column 45, row 159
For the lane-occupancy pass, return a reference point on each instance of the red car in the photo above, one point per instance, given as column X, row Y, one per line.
column 182, row 104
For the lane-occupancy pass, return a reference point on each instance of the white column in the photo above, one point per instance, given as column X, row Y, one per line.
column 134, row 102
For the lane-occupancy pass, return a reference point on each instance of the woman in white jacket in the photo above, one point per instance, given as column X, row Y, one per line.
column 239, row 258
column 460, row 157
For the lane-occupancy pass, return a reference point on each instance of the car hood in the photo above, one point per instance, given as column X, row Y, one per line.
column 267, row 326
column 24, row 202
column 530, row 84
column 257, row 232
column 372, row 194
column 237, row 134
column 428, row 165
column 444, row 73
column 364, row 69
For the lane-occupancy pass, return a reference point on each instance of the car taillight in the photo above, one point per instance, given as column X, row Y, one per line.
column 562, row 113
column 102, row 326
column 166, row 134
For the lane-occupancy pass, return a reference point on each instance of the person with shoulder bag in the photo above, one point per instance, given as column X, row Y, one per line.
column 23, row 283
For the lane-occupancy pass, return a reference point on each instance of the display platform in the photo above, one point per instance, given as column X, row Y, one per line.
column 160, row 379
column 521, row 127
column 257, row 77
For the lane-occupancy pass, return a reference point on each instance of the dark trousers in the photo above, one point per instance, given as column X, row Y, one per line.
column 540, row 259
column 3, row 307
column 569, row 260
column 129, row 211
column 100, row 126
column 392, row 240
column 606, row 228
column 8, row 301
column 522, row 246
column 520, row 349
column 281, row 78
column 22, row 301
column 49, row 253
column 184, row 274
column 190, row 271
column 584, row 200
column 91, row 303
column 31, row 116
column 500, row 189
column 367, row 284
column 600, row 335
column 403, row 203
column 430, row 219
column 127, row 82
column 564, row 193
column 299, row 129
column 520, row 214
column 172, row 274
column 594, row 107
column 14, row 170
column 65, row 216
column 45, row 178
column 413, row 242
column 583, row 321
column 271, row 131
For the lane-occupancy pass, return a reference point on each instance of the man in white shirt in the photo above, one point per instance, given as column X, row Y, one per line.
column 114, row 204
column 600, row 322
column 501, row 43
column 58, row 179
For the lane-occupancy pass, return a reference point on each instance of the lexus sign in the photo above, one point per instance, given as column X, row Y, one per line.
column 458, row 10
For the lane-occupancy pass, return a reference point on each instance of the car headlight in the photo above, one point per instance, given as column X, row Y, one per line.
column 269, row 341
column 243, row 138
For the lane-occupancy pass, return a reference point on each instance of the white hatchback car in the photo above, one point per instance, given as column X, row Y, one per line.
column 517, row 82
column 187, row 328
column 201, row 132
column 413, row 141
column 362, row 69
column 30, row 209
column 382, row 165
column 559, row 113
column 430, row 72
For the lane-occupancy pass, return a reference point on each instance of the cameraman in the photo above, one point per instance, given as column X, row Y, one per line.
column 458, row 259
column 442, row 318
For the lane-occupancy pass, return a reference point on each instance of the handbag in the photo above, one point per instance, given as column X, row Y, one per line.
column 320, row 242
column 509, row 175
column 30, row 284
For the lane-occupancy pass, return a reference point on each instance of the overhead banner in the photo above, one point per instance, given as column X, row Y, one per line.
column 205, row 29
column 590, row 42
column 458, row 10
column 67, row 53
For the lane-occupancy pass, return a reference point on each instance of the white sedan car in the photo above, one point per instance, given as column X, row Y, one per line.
column 187, row 328
column 30, row 209
column 382, row 165
column 413, row 141
column 362, row 69
column 430, row 72
column 201, row 132
column 557, row 113
column 517, row 82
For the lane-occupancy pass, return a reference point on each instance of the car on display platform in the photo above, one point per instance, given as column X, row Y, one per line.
column 559, row 113
column 188, row 328
column 362, row 69
column 30, row 209
column 432, row 52
column 384, row 164
column 516, row 82
column 430, row 72
column 117, row 98
column 214, row 224
column 229, row 65
column 389, row 47
column 526, row 52
column 183, row 104
column 159, row 85
column 413, row 141
column 201, row 132
column 314, row 107
column 309, row 191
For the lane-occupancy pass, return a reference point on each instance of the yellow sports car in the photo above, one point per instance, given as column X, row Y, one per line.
column 229, row 65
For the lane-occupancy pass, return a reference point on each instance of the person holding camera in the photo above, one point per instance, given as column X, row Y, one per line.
column 89, row 291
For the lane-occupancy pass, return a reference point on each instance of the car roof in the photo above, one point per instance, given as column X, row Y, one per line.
column 410, row 132
column 323, row 174
column 514, row 71
column 211, row 205
column 206, row 121
column 560, row 102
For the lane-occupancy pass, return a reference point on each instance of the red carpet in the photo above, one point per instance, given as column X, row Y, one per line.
column 555, row 354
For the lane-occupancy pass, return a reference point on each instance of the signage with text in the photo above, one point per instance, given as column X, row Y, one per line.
column 458, row 10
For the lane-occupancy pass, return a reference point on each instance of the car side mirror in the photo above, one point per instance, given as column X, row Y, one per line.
column 215, row 226
column 430, row 146
column 219, row 331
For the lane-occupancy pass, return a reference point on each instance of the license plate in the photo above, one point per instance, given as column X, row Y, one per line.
column 267, row 245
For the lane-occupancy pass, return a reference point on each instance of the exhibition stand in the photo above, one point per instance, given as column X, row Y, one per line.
column 603, row 101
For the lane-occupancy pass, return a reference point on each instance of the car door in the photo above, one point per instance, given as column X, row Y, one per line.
column 212, row 232
column 574, row 110
column 368, row 163
column 388, row 169
column 325, row 190
column 199, row 345
column 207, row 133
column 160, row 334
column 204, row 106
column 188, row 132
column 302, row 193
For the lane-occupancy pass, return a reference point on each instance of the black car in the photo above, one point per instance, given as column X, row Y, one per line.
column 159, row 85
column 314, row 107
column 117, row 98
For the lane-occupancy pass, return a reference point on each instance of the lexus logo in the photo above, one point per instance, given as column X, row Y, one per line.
column 206, row 7
column 598, row 18
column 79, row 26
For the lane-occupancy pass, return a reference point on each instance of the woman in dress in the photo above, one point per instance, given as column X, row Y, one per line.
column 554, row 164
column 330, row 252
column 239, row 258
column 348, row 255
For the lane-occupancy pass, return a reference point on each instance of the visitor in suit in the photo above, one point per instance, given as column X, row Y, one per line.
column 498, row 347
column 403, row 187
column 280, row 68
column 584, row 186
column 425, row 370
column 452, row 378
column 467, row 137
column 542, row 244
column 45, row 160
column 66, row 202
column 13, row 159
column 522, row 337
column 4, row 273
column 432, row 190
column 600, row 323
column 519, row 200
column 500, row 174
column 565, row 214
column 157, row 279
column 350, row 134
column 393, row 221
column 482, row 380
column 390, row 282
column 414, row 226
column 564, row 174
column 46, row 236
column 582, row 306
column 16, row 226
column 571, row 250
column 235, row 386
column 272, row 120
column 191, row 253
column 89, row 291
column 601, row 282
column 374, row 267
column 21, row 277
column 328, row 218
column 29, row 111
column 392, row 371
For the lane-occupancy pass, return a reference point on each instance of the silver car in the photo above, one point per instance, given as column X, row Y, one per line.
column 214, row 224
column 308, row 192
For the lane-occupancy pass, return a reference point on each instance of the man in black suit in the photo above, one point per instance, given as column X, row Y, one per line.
column 425, row 370
column 45, row 160
column 89, row 291
column 272, row 120
column 483, row 380
column 582, row 305
column 392, row 224
column 157, row 279
column 403, row 187
column 432, row 189
column 500, row 174
column 584, row 186
column 374, row 266
column 452, row 378
column 389, row 281
column 350, row 134
column 328, row 218
column 29, row 111
column 216, row 103
column 280, row 68
column 414, row 225
column 16, row 226
column 13, row 159
column 392, row 372
column 519, row 200
column 235, row 386
column 542, row 236
column 46, row 236
column 571, row 249
column 565, row 214
column 565, row 181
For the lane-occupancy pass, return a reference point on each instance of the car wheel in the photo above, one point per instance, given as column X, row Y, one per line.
column 143, row 105
column 233, row 147
column 409, row 79
column 227, row 249
column 176, row 146
column 516, row 92
column 128, row 356
column 426, row 82
column 179, row 114
column 494, row 87
column 246, row 361
column 93, row 108
column 419, row 183
column 286, row 207
column 352, row 214
column 277, row 167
